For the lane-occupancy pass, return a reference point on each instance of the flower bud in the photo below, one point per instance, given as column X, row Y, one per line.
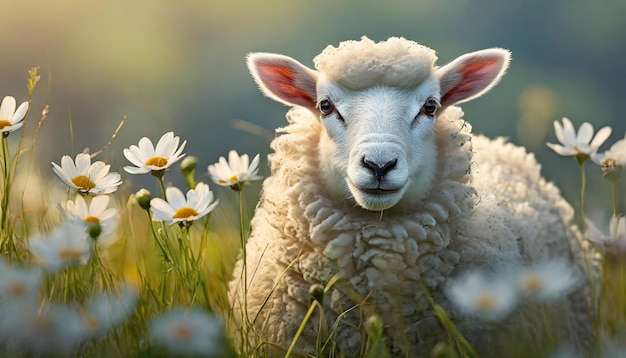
column 188, row 167
column 317, row 293
column 94, row 229
column 143, row 197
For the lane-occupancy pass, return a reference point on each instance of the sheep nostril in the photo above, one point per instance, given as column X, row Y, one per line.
column 379, row 170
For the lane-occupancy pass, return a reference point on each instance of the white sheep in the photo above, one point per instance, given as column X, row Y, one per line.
column 378, row 178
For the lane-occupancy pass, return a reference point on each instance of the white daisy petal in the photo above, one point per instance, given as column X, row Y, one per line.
column 601, row 136
column 7, row 108
column 585, row 133
column 20, row 112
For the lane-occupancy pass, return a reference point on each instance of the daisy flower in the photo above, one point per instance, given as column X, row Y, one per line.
column 65, row 245
column 615, row 241
column 85, row 176
column 11, row 119
column 192, row 332
column 19, row 284
column 236, row 171
column 96, row 213
column 580, row 143
column 51, row 328
column 485, row 297
column 147, row 158
column 109, row 310
column 548, row 280
column 612, row 159
column 177, row 208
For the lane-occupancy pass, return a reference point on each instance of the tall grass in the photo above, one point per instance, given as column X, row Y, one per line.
column 105, row 301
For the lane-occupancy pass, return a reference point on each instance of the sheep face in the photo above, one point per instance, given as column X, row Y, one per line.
column 378, row 145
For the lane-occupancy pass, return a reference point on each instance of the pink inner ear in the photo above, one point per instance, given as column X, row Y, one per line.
column 475, row 77
column 281, row 80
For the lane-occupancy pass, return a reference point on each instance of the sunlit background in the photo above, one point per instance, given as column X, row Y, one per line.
column 180, row 65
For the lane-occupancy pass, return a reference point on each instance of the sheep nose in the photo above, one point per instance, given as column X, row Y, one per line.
column 379, row 170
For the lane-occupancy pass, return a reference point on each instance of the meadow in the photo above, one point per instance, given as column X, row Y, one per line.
column 90, row 270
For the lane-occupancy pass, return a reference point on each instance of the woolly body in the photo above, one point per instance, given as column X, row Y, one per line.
column 486, row 205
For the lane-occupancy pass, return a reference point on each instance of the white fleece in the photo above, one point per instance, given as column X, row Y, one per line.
column 489, row 207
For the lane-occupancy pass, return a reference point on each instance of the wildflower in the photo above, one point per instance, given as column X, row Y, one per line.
column 612, row 160
column 617, row 234
column 11, row 119
column 50, row 328
column 19, row 284
column 65, row 245
column 147, row 158
column 85, row 176
column 548, row 280
column 236, row 172
column 109, row 310
column 486, row 297
column 177, row 208
column 615, row 241
column 96, row 214
column 578, row 144
column 194, row 332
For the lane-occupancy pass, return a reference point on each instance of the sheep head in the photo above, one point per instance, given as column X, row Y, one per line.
column 378, row 103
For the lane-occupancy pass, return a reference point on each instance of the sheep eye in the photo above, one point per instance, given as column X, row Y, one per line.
column 430, row 107
column 326, row 106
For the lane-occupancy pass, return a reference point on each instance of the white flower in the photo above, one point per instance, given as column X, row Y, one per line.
column 617, row 227
column 615, row 241
column 548, row 280
column 85, row 176
column 97, row 213
column 177, row 208
column 237, row 171
column 19, row 284
column 65, row 245
column 613, row 157
column 486, row 297
column 192, row 332
column 109, row 310
column 147, row 158
column 572, row 143
column 617, row 233
column 11, row 119
column 50, row 328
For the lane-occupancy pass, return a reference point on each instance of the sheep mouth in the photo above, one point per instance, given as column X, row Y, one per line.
column 379, row 191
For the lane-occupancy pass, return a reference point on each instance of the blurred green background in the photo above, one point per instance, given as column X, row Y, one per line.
column 180, row 65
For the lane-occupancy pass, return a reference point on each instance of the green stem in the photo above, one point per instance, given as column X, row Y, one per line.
column 583, row 183
column 614, row 197
column 7, row 187
column 162, row 186
column 245, row 319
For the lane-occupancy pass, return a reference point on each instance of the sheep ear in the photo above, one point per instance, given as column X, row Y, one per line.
column 284, row 79
column 472, row 74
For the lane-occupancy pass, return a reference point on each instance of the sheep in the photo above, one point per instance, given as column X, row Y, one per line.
column 377, row 179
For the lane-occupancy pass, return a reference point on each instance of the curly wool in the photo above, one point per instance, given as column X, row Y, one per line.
column 486, row 209
column 396, row 62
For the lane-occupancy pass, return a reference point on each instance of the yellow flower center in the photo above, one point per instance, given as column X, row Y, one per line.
column 90, row 320
column 92, row 219
column 233, row 178
column 4, row 123
column 185, row 212
column 17, row 289
column 83, row 183
column 69, row 253
column 182, row 331
column 157, row 161
column 532, row 283
column 485, row 302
